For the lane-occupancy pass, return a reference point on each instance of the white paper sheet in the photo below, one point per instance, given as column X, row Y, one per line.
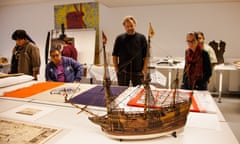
column 29, row 112
column 9, row 81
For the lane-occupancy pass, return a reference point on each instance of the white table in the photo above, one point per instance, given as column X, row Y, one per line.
column 220, row 68
column 76, row 128
column 97, row 72
column 169, row 66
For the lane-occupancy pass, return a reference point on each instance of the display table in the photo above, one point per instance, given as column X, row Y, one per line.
column 162, row 64
column 220, row 69
column 200, row 127
column 76, row 128
column 159, row 66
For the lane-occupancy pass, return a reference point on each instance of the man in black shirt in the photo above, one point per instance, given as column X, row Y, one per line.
column 130, row 54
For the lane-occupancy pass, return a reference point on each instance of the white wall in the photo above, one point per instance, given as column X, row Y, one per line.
column 36, row 18
column 219, row 21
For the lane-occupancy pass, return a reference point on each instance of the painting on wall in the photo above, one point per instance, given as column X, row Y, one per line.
column 79, row 16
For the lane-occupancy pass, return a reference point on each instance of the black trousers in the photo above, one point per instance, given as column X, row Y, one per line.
column 124, row 78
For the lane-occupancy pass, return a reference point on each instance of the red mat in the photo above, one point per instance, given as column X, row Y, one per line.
column 160, row 96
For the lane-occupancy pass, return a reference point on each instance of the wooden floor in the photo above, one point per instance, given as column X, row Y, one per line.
column 230, row 108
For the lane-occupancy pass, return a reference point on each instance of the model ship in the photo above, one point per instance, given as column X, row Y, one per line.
column 119, row 123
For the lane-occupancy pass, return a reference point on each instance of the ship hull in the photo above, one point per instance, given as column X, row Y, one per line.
column 138, row 125
column 144, row 136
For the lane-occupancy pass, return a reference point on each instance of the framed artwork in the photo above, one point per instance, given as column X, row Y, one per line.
column 12, row 132
column 79, row 16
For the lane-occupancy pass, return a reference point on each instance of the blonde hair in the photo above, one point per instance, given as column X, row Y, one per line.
column 129, row 19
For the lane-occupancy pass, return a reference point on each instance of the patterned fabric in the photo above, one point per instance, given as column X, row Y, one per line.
column 194, row 66
column 196, row 74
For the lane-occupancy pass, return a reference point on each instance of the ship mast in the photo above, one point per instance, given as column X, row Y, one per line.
column 176, row 83
column 106, row 77
column 147, row 78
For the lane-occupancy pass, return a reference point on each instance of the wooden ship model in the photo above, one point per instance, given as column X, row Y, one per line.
column 119, row 123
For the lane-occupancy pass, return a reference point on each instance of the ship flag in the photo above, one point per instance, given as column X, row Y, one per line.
column 151, row 31
column 104, row 38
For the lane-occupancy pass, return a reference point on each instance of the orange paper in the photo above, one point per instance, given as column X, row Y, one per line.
column 32, row 90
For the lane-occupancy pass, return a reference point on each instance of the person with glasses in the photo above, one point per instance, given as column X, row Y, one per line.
column 197, row 69
column 62, row 69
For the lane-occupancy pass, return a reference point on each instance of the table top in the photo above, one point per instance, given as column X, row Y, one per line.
column 200, row 128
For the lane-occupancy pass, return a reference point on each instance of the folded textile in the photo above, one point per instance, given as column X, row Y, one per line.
column 95, row 96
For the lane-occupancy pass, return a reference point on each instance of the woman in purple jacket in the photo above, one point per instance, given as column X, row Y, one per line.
column 63, row 69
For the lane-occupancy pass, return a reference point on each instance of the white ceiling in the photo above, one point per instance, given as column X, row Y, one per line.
column 122, row 3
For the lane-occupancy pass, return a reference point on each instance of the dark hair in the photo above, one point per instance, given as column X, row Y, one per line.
column 195, row 34
column 201, row 33
column 21, row 34
column 68, row 40
column 55, row 49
